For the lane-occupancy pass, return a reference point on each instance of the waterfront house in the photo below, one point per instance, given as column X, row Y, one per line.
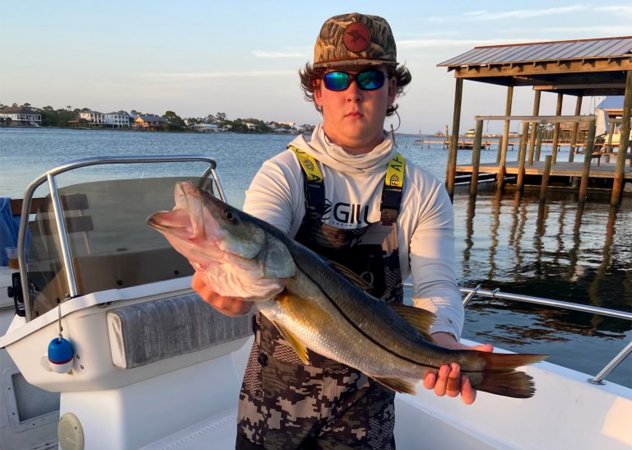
column 149, row 122
column 206, row 128
column 609, row 114
column 92, row 118
column 118, row 119
column 20, row 116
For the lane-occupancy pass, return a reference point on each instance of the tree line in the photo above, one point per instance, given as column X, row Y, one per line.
column 70, row 117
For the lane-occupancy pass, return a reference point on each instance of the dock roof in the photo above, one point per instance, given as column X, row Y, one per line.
column 586, row 67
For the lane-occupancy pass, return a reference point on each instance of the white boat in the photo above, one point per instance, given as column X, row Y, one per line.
column 154, row 367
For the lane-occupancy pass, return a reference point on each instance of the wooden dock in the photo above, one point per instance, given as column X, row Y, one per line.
column 463, row 143
column 602, row 174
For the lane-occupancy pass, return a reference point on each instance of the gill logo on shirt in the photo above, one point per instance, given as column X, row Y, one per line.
column 343, row 213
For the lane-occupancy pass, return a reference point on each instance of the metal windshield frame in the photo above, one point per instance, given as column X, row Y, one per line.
column 49, row 177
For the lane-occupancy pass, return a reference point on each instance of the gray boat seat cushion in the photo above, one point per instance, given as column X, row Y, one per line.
column 155, row 330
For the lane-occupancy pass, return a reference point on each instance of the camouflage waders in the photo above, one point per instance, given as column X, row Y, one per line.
column 284, row 404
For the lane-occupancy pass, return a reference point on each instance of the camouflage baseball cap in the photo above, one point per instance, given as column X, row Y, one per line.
column 355, row 39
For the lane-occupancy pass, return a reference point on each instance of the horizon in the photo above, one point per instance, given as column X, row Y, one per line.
column 127, row 57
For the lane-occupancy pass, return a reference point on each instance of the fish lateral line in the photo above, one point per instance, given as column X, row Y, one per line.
column 354, row 325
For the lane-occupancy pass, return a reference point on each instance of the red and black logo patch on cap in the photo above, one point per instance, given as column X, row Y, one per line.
column 357, row 37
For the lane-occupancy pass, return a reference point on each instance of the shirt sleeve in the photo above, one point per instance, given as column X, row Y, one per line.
column 275, row 194
column 432, row 262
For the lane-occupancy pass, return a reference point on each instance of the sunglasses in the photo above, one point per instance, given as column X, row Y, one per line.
column 367, row 80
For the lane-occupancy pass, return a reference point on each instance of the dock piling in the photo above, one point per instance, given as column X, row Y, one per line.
column 624, row 141
column 534, row 125
column 476, row 158
column 544, row 185
column 556, row 127
column 503, row 152
column 590, row 142
column 538, row 144
column 522, row 153
column 575, row 130
column 450, row 178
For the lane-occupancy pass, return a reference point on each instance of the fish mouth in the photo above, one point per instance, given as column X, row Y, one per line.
column 162, row 221
column 185, row 219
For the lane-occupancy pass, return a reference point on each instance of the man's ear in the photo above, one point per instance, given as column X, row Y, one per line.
column 318, row 97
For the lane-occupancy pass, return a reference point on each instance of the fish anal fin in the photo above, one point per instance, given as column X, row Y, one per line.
column 295, row 343
column 419, row 318
column 397, row 384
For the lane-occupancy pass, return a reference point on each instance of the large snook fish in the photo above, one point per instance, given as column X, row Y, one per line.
column 315, row 307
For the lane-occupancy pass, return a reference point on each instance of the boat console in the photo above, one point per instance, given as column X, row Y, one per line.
column 94, row 275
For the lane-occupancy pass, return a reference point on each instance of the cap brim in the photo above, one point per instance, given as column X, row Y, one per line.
column 354, row 62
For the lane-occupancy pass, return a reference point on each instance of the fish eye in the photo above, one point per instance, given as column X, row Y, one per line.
column 231, row 217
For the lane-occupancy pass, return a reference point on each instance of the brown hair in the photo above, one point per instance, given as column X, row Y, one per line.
column 310, row 79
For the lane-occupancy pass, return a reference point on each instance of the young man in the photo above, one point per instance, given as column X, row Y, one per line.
column 340, row 194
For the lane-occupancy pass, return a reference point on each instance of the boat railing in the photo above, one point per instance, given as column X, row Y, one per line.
column 472, row 293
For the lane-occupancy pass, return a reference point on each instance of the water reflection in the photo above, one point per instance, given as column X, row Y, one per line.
column 505, row 238
column 557, row 249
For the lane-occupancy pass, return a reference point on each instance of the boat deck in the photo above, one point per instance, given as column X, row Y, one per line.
column 217, row 431
column 492, row 422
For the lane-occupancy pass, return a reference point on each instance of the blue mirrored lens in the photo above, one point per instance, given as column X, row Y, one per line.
column 368, row 80
column 337, row 81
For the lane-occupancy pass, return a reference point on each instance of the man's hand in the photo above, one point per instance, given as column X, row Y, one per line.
column 230, row 306
column 448, row 380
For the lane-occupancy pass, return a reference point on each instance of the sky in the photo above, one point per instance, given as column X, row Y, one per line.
column 241, row 57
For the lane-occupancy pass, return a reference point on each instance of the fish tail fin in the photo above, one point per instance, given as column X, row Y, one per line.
column 500, row 377
column 510, row 384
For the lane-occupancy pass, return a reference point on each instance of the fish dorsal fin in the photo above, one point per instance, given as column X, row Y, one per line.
column 398, row 385
column 351, row 275
column 295, row 343
column 419, row 318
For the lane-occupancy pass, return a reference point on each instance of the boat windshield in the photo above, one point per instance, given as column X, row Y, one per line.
column 110, row 245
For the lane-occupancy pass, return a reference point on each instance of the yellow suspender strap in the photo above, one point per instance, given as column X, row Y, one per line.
column 395, row 172
column 392, row 190
column 309, row 165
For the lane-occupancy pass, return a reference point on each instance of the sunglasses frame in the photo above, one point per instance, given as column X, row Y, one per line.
column 354, row 77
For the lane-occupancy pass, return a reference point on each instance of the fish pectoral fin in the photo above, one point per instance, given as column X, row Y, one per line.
column 397, row 384
column 295, row 343
column 419, row 318
column 350, row 275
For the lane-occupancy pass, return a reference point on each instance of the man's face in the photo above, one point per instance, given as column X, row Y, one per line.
column 353, row 118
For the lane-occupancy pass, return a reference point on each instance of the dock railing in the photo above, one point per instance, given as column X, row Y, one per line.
column 530, row 146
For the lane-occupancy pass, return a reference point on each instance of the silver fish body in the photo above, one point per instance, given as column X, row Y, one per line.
column 314, row 306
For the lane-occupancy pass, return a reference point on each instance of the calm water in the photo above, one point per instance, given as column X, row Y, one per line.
column 556, row 250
